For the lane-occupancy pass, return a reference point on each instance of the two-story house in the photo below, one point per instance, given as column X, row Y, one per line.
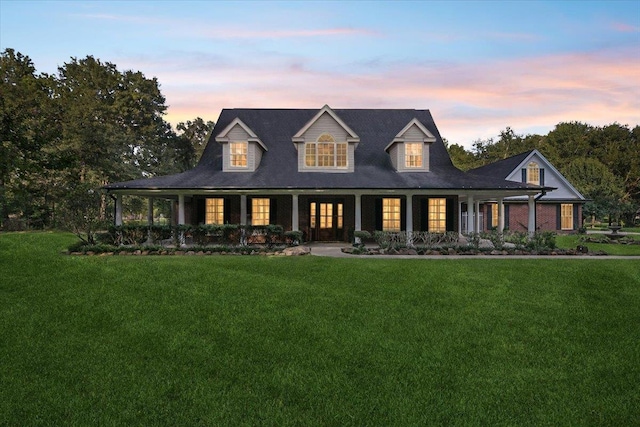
column 327, row 172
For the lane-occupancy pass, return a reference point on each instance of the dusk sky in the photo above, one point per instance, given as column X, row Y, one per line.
column 478, row 66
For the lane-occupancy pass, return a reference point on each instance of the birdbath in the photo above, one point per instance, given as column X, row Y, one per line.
column 614, row 232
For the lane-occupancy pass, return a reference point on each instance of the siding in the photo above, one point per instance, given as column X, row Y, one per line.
column 254, row 151
column 326, row 124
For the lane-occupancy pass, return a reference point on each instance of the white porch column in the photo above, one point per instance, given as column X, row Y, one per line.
column 150, row 211
column 477, row 226
column 181, row 209
column 358, row 212
column 295, row 223
column 532, row 216
column 243, row 209
column 118, row 218
column 500, row 215
column 470, row 207
column 409, row 219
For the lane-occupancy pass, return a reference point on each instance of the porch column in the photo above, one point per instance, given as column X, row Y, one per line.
column 500, row 215
column 358, row 212
column 409, row 219
column 477, row 226
column 470, row 206
column 295, row 223
column 118, row 218
column 150, row 211
column 181, row 209
column 243, row 209
column 532, row 216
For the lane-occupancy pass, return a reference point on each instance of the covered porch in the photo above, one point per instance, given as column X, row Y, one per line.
column 334, row 215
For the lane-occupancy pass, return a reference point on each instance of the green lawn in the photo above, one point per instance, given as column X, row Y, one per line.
column 279, row 341
column 570, row 241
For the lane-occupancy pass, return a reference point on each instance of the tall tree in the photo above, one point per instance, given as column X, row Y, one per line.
column 197, row 133
column 25, row 131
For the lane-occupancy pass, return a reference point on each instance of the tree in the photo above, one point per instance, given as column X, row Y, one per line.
column 25, row 132
column 197, row 133
column 596, row 182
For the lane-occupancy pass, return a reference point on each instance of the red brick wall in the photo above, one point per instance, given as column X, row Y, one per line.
column 546, row 217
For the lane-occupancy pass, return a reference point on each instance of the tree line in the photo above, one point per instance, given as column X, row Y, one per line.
column 602, row 162
column 63, row 136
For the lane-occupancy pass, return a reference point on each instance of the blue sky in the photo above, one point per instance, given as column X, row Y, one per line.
column 478, row 66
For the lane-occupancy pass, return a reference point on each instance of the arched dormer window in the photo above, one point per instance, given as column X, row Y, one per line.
column 325, row 152
column 533, row 173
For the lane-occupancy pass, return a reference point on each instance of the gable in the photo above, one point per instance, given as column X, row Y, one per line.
column 552, row 178
column 326, row 121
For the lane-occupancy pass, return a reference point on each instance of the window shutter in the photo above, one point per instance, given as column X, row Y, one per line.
column 227, row 211
column 541, row 176
column 378, row 209
column 273, row 211
column 451, row 214
column 489, row 210
column 576, row 218
column 200, row 211
column 249, row 210
column 424, row 214
column 403, row 214
column 524, row 175
column 558, row 216
column 506, row 216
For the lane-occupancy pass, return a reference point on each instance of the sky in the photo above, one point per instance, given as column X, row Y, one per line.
column 478, row 66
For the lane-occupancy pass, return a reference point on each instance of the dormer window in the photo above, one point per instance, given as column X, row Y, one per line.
column 238, row 153
column 533, row 173
column 325, row 152
column 413, row 155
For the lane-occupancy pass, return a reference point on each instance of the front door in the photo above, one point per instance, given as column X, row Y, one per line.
column 326, row 220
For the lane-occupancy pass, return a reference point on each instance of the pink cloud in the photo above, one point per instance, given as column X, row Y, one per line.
column 625, row 28
column 468, row 101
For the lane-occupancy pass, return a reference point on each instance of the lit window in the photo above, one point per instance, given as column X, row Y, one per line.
column 566, row 216
column 494, row 215
column 413, row 155
column 214, row 211
column 533, row 173
column 260, row 211
column 312, row 208
column 438, row 215
column 390, row 214
column 238, row 154
column 326, row 215
column 325, row 152
column 339, row 207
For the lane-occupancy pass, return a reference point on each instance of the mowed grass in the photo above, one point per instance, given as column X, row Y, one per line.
column 571, row 241
column 280, row 341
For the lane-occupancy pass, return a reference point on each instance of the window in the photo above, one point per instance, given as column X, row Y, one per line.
column 533, row 173
column 325, row 152
column 413, row 155
column 214, row 211
column 238, row 152
column 494, row 215
column 566, row 216
column 326, row 215
column 390, row 214
column 437, row 215
column 260, row 211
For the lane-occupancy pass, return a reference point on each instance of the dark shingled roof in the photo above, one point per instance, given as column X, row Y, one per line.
column 279, row 167
column 501, row 168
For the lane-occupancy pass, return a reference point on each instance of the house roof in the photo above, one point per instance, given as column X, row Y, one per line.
column 278, row 169
column 502, row 168
column 505, row 168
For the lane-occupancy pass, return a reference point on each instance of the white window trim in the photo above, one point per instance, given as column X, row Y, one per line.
column 231, row 154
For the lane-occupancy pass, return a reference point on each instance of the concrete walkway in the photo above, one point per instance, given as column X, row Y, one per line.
column 333, row 250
